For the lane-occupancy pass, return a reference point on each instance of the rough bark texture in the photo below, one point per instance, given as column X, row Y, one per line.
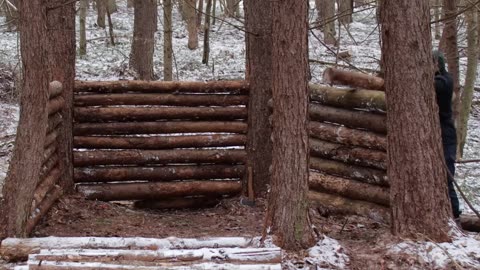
column 167, row 41
column 470, row 78
column 61, row 64
column 189, row 7
column 32, row 128
column 143, row 44
column 258, row 23
column 287, row 212
column 417, row 175
column 449, row 45
column 142, row 191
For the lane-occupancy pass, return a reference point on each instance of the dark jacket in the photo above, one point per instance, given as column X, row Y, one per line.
column 444, row 90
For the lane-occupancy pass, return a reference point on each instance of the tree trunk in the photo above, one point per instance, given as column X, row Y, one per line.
column 467, row 95
column 258, row 23
column 192, row 29
column 327, row 20
column 61, row 33
column 287, row 213
column 230, row 8
column 10, row 9
column 167, row 39
column 449, row 45
column 83, row 34
column 417, row 175
column 112, row 6
column 345, row 10
column 206, row 33
column 25, row 166
column 130, row 3
column 143, row 44
column 199, row 13
column 101, row 11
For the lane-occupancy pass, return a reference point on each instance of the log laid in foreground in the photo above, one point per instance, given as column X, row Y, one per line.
column 94, row 114
column 158, row 127
column 160, row 99
column 55, row 89
column 354, row 79
column 142, row 191
column 347, row 136
column 55, row 105
column 178, row 203
column 348, row 154
column 362, row 174
column 349, row 188
column 51, row 138
column 348, row 98
column 164, row 173
column 349, row 118
column 52, row 196
column 54, row 121
column 45, row 185
column 159, row 142
column 233, row 87
column 144, row 157
column 339, row 205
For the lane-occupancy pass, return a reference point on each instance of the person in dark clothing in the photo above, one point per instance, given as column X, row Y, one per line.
column 444, row 91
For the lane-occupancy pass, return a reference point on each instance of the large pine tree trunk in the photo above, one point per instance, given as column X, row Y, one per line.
column 83, row 34
column 467, row 95
column 61, row 48
column 143, row 45
column 258, row 23
column 25, row 166
column 189, row 7
column 418, row 180
column 167, row 38
column 287, row 213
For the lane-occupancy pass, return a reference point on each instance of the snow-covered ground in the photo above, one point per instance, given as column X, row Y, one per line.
column 227, row 61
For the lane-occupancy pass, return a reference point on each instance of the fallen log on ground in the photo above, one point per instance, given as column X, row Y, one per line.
column 18, row 249
column 164, row 173
column 354, row 79
column 233, row 87
column 348, row 154
column 93, row 114
column 470, row 223
column 334, row 204
column 158, row 127
column 347, row 136
column 351, row 189
column 144, row 157
column 159, row 99
column 45, row 205
column 145, row 191
column 159, row 142
column 362, row 174
column 55, row 105
column 178, row 203
column 349, row 118
column 348, row 98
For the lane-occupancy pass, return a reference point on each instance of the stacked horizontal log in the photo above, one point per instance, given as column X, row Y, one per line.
column 162, row 144
column 48, row 190
column 348, row 146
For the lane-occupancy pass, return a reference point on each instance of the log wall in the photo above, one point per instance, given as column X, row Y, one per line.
column 161, row 144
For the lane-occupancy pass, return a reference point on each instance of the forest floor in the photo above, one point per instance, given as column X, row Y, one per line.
column 348, row 243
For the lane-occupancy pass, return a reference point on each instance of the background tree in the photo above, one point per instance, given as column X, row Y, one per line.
column 345, row 10
column 145, row 22
column 189, row 7
column 258, row 24
column 167, row 40
column 25, row 166
column 83, row 32
column 11, row 13
column 418, row 180
column 287, row 212
column 101, row 11
column 206, row 33
column 326, row 19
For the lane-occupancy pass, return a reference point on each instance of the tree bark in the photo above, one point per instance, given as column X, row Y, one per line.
column 146, row 157
column 188, row 100
column 353, row 79
column 143, row 44
column 348, row 98
column 345, row 10
column 230, row 8
column 199, row 13
column 93, row 114
column 287, row 213
column 349, row 118
column 83, row 34
column 327, row 20
column 128, row 128
column 348, row 136
column 470, row 78
column 142, row 191
column 417, row 175
column 101, row 11
column 130, row 3
column 206, row 33
column 192, row 29
column 164, row 173
column 32, row 128
column 167, row 39
column 258, row 24
column 159, row 142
